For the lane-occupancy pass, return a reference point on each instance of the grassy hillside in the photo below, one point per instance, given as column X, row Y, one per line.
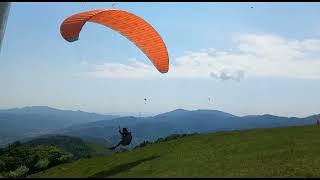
column 78, row 147
column 179, row 122
column 277, row 152
column 22, row 159
column 98, row 149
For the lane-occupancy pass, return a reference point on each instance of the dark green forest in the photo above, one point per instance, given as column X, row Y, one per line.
column 22, row 159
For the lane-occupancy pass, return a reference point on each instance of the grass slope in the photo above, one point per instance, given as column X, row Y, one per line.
column 75, row 145
column 276, row 152
column 98, row 149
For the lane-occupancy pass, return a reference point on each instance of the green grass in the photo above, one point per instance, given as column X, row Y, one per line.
column 277, row 152
column 98, row 149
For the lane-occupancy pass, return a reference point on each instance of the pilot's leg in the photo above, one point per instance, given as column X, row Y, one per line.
column 117, row 145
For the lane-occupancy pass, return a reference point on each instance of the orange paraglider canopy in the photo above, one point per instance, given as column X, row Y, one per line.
column 137, row 30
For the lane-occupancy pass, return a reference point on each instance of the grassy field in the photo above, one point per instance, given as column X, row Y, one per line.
column 99, row 150
column 277, row 152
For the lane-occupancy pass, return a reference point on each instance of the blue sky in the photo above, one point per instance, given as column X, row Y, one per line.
column 261, row 60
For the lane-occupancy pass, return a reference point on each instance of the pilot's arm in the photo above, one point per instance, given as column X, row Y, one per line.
column 120, row 132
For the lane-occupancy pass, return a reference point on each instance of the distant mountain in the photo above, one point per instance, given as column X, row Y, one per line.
column 108, row 122
column 141, row 131
column 37, row 120
column 73, row 116
column 198, row 120
column 183, row 113
column 32, row 110
column 182, row 121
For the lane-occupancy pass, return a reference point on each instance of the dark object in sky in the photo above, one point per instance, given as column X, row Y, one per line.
column 251, row 7
column 4, row 12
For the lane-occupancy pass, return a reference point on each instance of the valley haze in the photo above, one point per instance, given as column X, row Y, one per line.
column 102, row 128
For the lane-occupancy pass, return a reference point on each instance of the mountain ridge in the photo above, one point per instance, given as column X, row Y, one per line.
column 49, row 120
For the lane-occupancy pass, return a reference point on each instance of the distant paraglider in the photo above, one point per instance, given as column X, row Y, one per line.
column 210, row 100
column 137, row 30
column 145, row 100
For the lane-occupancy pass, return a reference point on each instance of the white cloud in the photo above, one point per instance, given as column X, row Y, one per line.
column 225, row 75
column 257, row 56
column 135, row 69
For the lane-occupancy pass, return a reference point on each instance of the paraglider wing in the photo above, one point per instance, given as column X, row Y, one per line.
column 137, row 30
column 4, row 12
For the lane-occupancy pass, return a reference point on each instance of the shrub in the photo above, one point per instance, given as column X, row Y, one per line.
column 20, row 172
column 42, row 164
column 2, row 166
column 66, row 158
column 168, row 138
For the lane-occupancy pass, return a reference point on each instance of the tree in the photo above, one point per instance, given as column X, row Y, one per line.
column 19, row 172
column 42, row 164
column 2, row 166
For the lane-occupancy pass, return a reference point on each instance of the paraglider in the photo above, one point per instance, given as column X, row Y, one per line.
column 134, row 28
column 210, row 100
column 126, row 138
column 145, row 99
